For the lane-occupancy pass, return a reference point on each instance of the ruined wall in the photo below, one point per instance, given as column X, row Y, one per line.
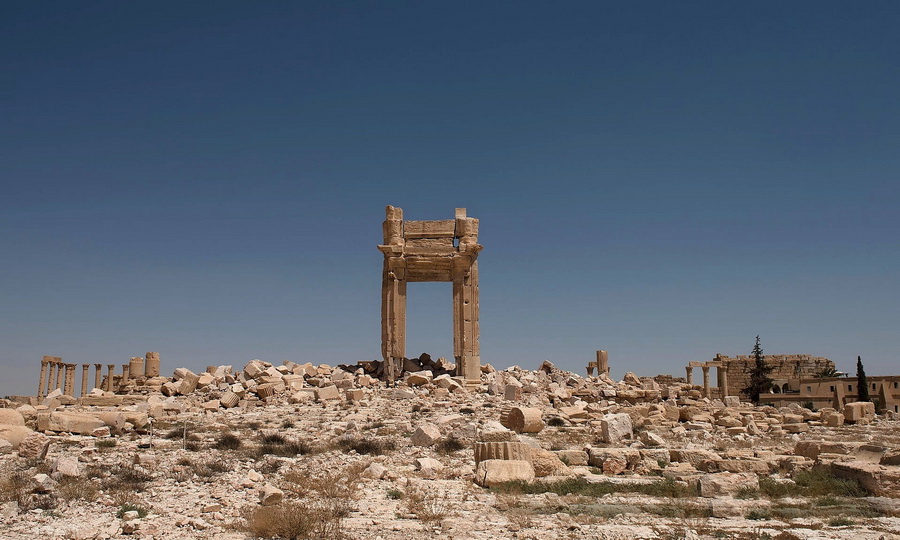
column 790, row 366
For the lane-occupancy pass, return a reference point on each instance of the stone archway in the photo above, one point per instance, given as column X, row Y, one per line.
column 421, row 251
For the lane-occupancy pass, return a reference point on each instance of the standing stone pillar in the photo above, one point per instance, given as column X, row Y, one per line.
column 51, row 375
column 393, row 295
column 70, row 380
column 109, row 376
column 44, row 361
column 151, row 365
column 97, row 375
column 602, row 363
column 723, row 380
column 84, row 378
column 59, row 374
column 125, row 375
column 136, row 367
column 689, row 371
column 705, row 381
column 465, row 322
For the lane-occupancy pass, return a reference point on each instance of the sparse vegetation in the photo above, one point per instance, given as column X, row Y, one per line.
column 449, row 446
column 131, row 507
column 394, row 494
column 366, row 445
column 427, row 505
column 814, row 483
column 78, row 489
column 227, row 441
column 580, row 486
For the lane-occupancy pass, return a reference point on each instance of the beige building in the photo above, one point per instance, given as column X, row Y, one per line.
column 834, row 392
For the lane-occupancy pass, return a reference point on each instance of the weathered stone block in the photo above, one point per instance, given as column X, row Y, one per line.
column 495, row 472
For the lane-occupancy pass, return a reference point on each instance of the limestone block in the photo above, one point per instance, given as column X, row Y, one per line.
column 547, row 463
column 832, row 419
column 270, row 495
column 495, row 472
column 188, row 381
column 34, row 446
column 615, row 428
column 82, row 424
column 425, row 435
column 525, row 420
column 694, row 456
column 170, row 388
column 5, row 447
column 726, row 483
column 66, row 466
column 205, row 379
column 211, row 405
column 508, row 450
column 512, row 393
column 254, row 368
column 328, row 392
column 732, row 401
column 302, row 396
column 573, row 457
column 402, row 393
column 375, row 470
column 44, row 483
column 114, row 420
column 354, row 395
column 419, row 378
column 265, row 390
column 859, row 412
column 11, row 417
column 429, row 467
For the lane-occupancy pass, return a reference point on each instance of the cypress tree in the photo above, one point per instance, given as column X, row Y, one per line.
column 862, row 385
column 760, row 382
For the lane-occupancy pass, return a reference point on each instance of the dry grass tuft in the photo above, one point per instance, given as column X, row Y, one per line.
column 78, row 489
column 426, row 504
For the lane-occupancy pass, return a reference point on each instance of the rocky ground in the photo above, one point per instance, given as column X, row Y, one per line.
column 335, row 453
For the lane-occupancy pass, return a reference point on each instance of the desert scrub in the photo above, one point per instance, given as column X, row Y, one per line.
column 131, row 507
column 426, row 504
column 365, row 445
column 449, row 446
column 78, row 489
column 227, row 441
column 394, row 494
column 105, row 444
column 295, row 521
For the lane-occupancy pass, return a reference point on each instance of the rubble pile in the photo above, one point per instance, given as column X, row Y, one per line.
column 420, row 447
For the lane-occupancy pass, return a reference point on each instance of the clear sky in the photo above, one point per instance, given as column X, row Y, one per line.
column 664, row 180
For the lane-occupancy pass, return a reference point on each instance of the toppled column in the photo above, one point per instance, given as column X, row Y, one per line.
column 43, row 382
column 151, row 365
column 84, row 379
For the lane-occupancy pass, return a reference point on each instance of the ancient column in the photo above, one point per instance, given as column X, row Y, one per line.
column 125, row 375
column 97, row 375
column 393, row 295
column 689, row 371
column 723, row 376
column 51, row 375
column 109, row 377
column 136, row 367
column 151, row 365
column 84, row 378
column 466, row 310
column 70, row 380
column 59, row 374
column 602, row 363
column 705, row 381
column 44, row 361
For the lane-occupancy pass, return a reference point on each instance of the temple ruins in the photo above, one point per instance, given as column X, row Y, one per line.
column 420, row 251
column 56, row 374
column 733, row 373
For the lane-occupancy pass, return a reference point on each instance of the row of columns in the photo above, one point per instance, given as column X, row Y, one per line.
column 722, row 374
column 57, row 374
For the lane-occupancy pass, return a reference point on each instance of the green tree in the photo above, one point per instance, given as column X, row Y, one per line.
column 862, row 384
column 760, row 382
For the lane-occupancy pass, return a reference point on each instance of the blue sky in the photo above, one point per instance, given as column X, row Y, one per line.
column 662, row 180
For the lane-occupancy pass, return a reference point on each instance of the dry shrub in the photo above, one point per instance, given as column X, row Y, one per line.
column 78, row 489
column 227, row 441
column 366, row 445
column 295, row 521
column 450, row 445
column 427, row 505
